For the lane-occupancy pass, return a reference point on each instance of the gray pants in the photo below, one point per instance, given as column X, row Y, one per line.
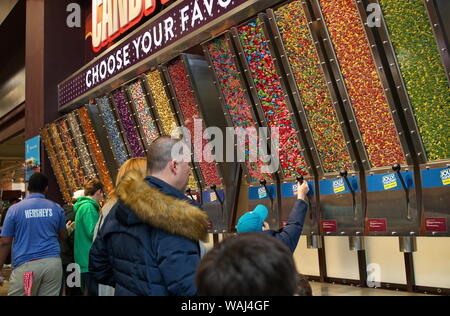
column 47, row 278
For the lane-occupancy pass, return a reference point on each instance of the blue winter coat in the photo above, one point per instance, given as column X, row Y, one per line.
column 149, row 243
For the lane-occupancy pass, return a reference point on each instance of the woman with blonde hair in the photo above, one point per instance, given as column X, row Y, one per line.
column 137, row 164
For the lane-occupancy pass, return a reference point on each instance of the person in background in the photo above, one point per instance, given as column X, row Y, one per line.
column 254, row 221
column 2, row 221
column 139, row 165
column 33, row 227
column 251, row 264
column 67, row 246
column 149, row 244
column 87, row 210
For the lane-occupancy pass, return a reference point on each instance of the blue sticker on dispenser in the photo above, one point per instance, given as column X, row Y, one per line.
column 338, row 186
column 289, row 190
column 211, row 197
column 389, row 181
column 259, row 193
column 435, row 178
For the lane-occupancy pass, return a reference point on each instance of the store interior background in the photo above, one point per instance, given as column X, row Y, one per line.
column 28, row 100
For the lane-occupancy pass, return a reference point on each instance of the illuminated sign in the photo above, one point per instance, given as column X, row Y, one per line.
column 173, row 24
column 110, row 18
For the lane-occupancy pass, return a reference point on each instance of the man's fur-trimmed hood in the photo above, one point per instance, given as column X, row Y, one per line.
column 161, row 211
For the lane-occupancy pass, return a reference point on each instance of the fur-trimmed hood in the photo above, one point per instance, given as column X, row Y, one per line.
column 162, row 211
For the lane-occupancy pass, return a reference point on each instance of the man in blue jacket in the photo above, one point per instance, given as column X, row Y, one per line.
column 254, row 221
column 149, row 243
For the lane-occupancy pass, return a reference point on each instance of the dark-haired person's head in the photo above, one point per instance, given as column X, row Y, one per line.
column 168, row 160
column 38, row 183
column 303, row 286
column 93, row 188
column 249, row 264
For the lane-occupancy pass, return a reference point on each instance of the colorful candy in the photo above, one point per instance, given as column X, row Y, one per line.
column 311, row 83
column 120, row 100
column 112, row 130
column 142, row 111
column 272, row 99
column 95, row 150
column 363, row 82
column 164, row 111
column 71, row 152
column 235, row 97
column 422, row 71
column 162, row 102
column 83, row 151
column 62, row 158
column 55, row 166
column 190, row 111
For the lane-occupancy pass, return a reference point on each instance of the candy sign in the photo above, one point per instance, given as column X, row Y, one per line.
column 173, row 24
column 338, row 186
column 445, row 176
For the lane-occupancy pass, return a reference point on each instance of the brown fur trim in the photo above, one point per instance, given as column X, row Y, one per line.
column 162, row 211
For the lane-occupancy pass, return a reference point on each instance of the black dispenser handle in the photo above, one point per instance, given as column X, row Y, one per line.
column 397, row 169
column 214, row 188
column 189, row 192
column 264, row 184
column 344, row 175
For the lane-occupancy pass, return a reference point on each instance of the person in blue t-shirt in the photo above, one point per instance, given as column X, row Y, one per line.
column 32, row 227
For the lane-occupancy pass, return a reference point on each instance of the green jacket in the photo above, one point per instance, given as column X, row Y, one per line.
column 86, row 217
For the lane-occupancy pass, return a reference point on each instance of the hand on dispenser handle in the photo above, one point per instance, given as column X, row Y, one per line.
column 302, row 190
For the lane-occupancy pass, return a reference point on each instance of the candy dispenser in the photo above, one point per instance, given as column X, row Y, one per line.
column 82, row 149
column 127, row 123
column 142, row 112
column 420, row 66
column 239, row 112
column 94, row 149
column 373, row 98
column 114, row 135
column 273, row 101
column 60, row 178
column 101, row 134
column 61, row 155
column 71, row 150
column 195, row 99
column 157, row 92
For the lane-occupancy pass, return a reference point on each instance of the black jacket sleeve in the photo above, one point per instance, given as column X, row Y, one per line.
column 290, row 234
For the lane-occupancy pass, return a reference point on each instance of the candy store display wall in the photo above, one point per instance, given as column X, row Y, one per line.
column 236, row 99
column 128, row 124
column 423, row 73
column 83, row 152
column 142, row 111
column 189, row 109
column 164, row 111
column 95, row 150
column 363, row 82
column 311, row 83
column 271, row 97
column 112, row 130
column 61, row 154
column 46, row 138
column 71, row 151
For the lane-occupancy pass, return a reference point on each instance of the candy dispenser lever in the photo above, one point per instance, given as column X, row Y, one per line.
column 264, row 184
column 397, row 169
column 189, row 192
column 214, row 188
column 344, row 174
